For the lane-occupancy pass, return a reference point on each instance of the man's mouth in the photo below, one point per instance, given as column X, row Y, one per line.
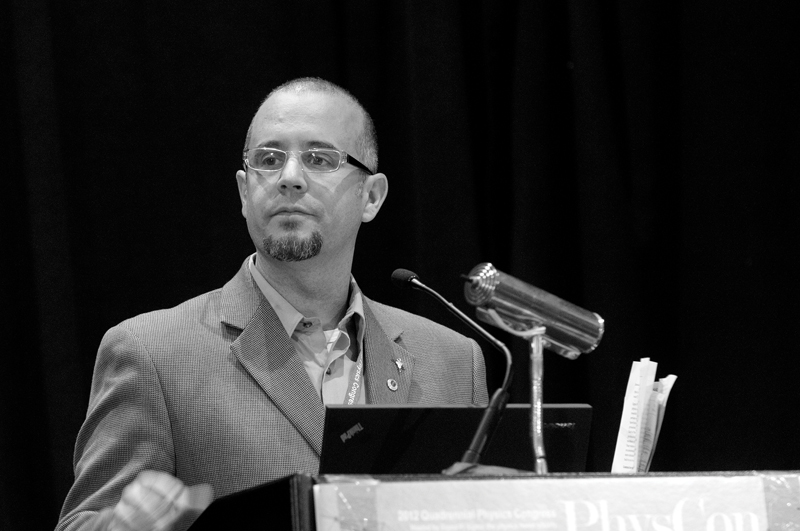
column 290, row 212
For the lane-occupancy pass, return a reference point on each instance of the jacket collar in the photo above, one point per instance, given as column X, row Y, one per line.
column 386, row 361
column 240, row 299
column 268, row 355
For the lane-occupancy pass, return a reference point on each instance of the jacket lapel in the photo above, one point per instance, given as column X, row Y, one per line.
column 268, row 355
column 381, row 353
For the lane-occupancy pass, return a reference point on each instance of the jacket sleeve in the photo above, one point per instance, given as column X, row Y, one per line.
column 127, row 430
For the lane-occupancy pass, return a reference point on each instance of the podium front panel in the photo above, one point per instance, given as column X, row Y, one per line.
column 656, row 502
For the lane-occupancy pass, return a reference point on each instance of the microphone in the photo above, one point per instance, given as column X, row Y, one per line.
column 493, row 413
column 402, row 277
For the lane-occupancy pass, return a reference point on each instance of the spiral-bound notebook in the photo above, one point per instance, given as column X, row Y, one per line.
column 382, row 439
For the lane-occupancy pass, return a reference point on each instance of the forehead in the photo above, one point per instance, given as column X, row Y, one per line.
column 296, row 120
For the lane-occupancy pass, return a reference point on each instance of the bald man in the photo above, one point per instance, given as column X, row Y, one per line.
column 228, row 390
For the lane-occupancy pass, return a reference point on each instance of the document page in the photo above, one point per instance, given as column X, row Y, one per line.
column 642, row 415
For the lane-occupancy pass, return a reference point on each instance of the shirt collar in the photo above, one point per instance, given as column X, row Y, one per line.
column 290, row 317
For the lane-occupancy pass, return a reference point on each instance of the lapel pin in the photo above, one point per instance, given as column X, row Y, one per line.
column 399, row 364
column 391, row 384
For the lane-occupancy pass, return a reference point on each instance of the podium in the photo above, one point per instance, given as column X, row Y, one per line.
column 284, row 504
column 719, row 501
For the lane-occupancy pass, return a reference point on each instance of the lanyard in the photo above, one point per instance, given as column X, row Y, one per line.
column 355, row 380
column 355, row 384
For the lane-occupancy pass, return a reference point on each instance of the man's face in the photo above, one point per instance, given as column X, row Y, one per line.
column 293, row 214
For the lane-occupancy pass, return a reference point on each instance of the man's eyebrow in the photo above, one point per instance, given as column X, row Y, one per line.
column 319, row 144
column 270, row 143
column 307, row 145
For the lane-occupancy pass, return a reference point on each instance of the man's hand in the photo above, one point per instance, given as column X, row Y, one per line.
column 154, row 501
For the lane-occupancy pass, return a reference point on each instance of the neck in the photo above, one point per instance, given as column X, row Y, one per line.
column 313, row 290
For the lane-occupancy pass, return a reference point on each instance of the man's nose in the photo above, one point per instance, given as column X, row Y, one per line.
column 293, row 177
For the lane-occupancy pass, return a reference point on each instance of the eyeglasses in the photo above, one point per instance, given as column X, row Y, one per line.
column 314, row 160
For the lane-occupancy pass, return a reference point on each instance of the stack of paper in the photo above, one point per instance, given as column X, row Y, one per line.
column 642, row 414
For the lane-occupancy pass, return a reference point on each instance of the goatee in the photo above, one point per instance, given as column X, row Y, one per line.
column 292, row 248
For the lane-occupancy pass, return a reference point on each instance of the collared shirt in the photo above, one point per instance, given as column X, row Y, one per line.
column 331, row 359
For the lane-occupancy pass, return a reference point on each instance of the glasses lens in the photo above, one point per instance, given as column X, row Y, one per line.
column 321, row 160
column 266, row 158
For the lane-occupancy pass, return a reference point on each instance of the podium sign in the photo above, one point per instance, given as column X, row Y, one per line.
column 571, row 503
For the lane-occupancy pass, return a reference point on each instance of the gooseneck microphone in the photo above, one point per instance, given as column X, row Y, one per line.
column 491, row 417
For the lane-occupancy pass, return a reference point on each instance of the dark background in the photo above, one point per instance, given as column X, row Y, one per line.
column 638, row 160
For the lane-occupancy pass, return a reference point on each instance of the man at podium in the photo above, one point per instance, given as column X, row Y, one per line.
column 227, row 390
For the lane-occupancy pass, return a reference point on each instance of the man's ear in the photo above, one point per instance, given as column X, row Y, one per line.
column 241, row 183
column 373, row 193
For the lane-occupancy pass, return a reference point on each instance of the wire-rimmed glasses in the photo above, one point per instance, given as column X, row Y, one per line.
column 317, row 160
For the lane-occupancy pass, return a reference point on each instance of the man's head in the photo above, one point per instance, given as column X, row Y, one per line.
column 295, row 212
column 367, row 144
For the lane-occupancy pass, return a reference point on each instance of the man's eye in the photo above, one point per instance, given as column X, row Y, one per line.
column 320, row 160
column 268, row 159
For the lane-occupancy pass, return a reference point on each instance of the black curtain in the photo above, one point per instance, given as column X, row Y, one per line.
column 637, row 159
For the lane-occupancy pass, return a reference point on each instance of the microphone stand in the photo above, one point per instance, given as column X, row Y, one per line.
column 494, row 411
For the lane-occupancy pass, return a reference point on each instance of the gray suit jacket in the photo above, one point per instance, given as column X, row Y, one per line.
column 212, row 391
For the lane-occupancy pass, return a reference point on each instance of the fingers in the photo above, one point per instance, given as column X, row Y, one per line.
column 187, row 507
column 152, row 502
